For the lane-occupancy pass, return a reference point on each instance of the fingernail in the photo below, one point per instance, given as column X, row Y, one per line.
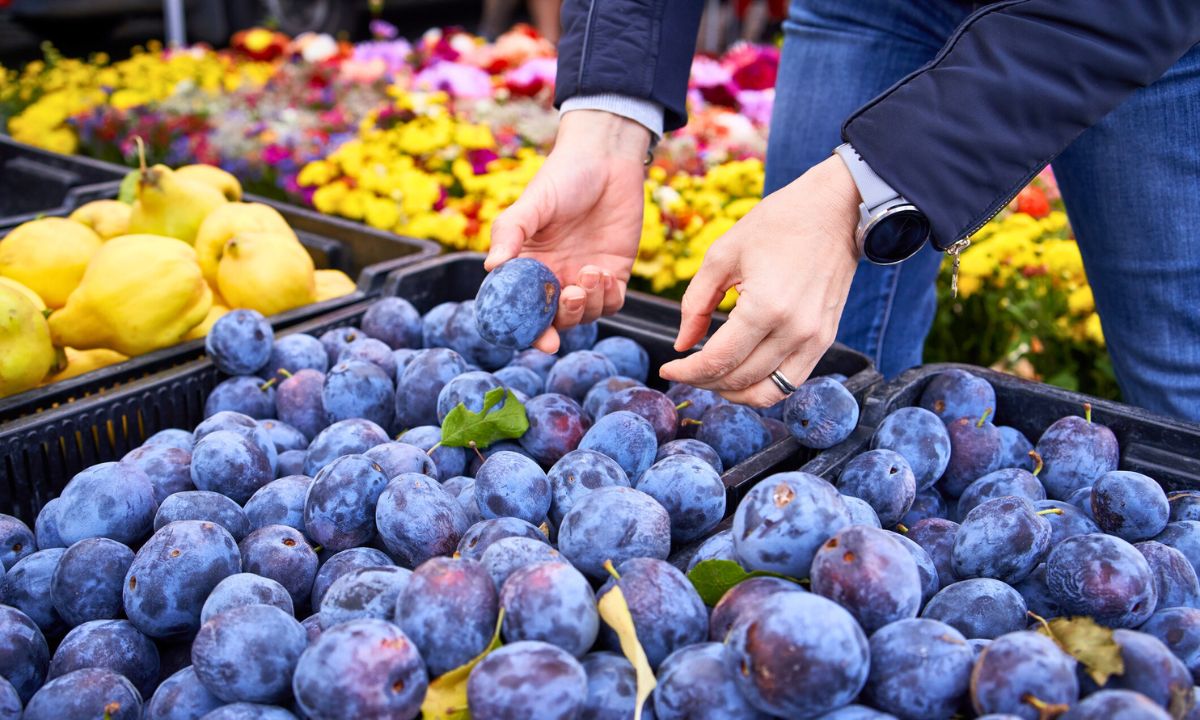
column 590, row 280
column 608, row 281
column 574, row 304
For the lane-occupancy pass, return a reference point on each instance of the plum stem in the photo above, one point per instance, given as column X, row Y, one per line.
column 429, row 452
column 1046, row 711
column 268, row 385
column 284, row 372
column 689, row 421
column 1041, row 621
column 1038, row 464
column 608, row 565
column 902, row 528
column 1087, row 412
column 1050, row 511
column 987, row 413
column 683, row 405
column 474, row 446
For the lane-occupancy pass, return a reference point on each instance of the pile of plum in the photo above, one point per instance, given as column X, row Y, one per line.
column 288, row 557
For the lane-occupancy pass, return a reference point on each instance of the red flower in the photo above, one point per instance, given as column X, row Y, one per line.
column 1032, row 201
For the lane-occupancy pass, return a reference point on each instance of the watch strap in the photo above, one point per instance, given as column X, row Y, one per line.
column 872, row 188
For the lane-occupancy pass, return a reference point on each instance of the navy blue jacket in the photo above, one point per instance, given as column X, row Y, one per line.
column 1018, row 81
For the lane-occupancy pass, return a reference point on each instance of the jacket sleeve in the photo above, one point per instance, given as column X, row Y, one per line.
column 636, row 48
column 1015, row 85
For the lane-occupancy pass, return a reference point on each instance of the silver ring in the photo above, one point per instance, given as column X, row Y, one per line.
column 782, row 383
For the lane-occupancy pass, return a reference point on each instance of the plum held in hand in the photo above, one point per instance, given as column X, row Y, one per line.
column 516, row 303
column 527, row 680
column 798, row 655
column 783, row 520
column 1076, row 452
column 361, row 669
column 1020, row 671
column 1104, row 577
column 821, row 413
column 868, row 573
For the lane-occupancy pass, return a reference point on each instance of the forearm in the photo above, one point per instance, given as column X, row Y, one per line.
column 1010, row 91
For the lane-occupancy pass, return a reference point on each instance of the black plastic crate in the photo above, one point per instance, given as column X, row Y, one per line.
column 356, row 249
column 35, row 181
column 39, row 454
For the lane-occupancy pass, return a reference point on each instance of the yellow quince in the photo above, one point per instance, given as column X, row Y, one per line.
column 48, row 256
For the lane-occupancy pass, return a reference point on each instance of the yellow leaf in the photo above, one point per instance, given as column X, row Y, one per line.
column 446, row 698
column 1089, row 643
column 615, row 611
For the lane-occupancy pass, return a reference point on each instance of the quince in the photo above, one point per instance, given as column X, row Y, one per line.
column 171, row 206
column 48, row 256
column 215, row 177
column 333, row 284
column 267, row 272
column 28, row 354
column 234, row 219
column 109, row 218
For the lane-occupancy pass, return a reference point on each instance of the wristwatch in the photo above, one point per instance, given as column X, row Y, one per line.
column 890, row 228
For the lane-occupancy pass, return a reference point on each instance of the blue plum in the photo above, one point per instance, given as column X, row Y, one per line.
column 395, row 321
column 740, row 599
column 821, row 413
column 1076, row 452
column 238, row 424
column 1179, row 629
column 227, row 463
column 1065, row 520
column 1104, row 577
column 246, row 394
column 1004, row 538
column 551, row 602
column 248, row 654
column 477, row 458
column 114, row 645
column 577, row 473
column 978, row 608
column 181, row 697
column 245, row 588
column 462, row 336
column 168, row 468
column 936, row 536
column 467, row 389
column 369, row 592
column 1015, row 449
column 397, row 458
column 690, row 405
column 361, row 669
column 526, row 680
column 1006, row 481
column 612, row 685
column 86, row 583
column 650, row 404
column 418, row 386
column 920, row 669
column 516, row 303
column 1116, row 705
column 536, row 360
column 480, row 536
column 667, row 612
column 370, row 350
column 239, row 342
column 279, row 502
column 449, row 461
column 336, row 340
column 343, row 562
column 434, row 324
column 173, row 573
column 282, row 554
column 556, row 426
column 16, row 540
column 339, row 509
column 613, row 523
column 300, row 403
column 736, row 432
column 295, row 352
column 203, row 505
column 86, row 693
column 1184, row 505
column 627, row 356
column 24, row 654
column 927, row 503
column 26, row 587
column 172, row 437
column 1184, row 536
column 870, row 574
column 1129, row 505
column 956, row 393
column 511, row 485
column 625, row 437
column 507, row 555
column 417, row 519
column 797, row 655
column 695, row 681
column 694, row 448
column 578, row 337
column 861, row 513
column 109, row 500
column 921, row 437
column 291, row 462
column 348, row 437
column 1175, row 578
column 517, row 377
column 884, row 480
column 926, row 569
column 249, row 711
column 357, row 389
column 1020, row 665
column 448, row 593
column 1152, row 670
column 974, row 452
column 284, row 436
column 577, row 372
column 783, row 520
column 1036, row 594
column 690, row 491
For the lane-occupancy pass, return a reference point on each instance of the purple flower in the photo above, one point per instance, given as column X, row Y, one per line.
column 395, row 54
column 460, row 81
column 757, row 104
column 383, row 30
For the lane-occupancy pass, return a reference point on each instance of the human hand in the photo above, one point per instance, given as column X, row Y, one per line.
column 581, row 216
column 791, row 259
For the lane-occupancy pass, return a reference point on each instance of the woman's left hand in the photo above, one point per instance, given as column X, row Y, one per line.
column 791, row 259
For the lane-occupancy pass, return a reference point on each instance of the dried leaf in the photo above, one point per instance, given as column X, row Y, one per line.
column 446, row 698
column 615, row 611
column 1089, row 643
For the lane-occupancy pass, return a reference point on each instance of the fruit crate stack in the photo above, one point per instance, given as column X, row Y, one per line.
column 362, row 257
column 37, row 182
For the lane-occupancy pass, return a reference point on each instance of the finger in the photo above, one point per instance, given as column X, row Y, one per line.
column 591, row 279
column 703, row 294
column 549, row 341
column 570, row 307
column 766, row 393
column 758, row 366
column 512, row 228
column 614, row 294
column 724, row 352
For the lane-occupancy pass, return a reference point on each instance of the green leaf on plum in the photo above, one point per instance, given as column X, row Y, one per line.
column 464, row 428
column 713, row 578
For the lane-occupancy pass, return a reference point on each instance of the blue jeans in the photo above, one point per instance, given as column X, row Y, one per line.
column 1131, row 184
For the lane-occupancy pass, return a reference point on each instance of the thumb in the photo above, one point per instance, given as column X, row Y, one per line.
column 513, row 227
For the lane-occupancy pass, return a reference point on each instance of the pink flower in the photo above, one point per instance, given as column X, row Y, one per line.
column 460, row 81
column 479, row 160
column 707, row 72
column 529, row 79
column 757, row 104
column 753, row 67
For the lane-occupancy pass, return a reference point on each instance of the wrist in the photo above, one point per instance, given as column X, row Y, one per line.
column 611, row 134
column 841, row 193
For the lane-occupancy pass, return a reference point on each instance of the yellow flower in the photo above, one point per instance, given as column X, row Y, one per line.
column 474, row 137
column 1080, row 301
column 1092, row 329
column 968, row 285
column 382, row 213
column 328, row 198
column 317, row 173
column 738, row 208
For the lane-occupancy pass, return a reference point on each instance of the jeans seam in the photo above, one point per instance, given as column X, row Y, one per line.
column 886, row 317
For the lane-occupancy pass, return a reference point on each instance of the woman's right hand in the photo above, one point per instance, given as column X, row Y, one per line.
column 581, row 216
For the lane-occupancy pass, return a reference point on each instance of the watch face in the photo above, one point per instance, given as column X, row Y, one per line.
column 896, row 236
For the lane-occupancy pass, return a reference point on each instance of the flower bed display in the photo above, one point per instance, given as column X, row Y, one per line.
column 434, row 138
